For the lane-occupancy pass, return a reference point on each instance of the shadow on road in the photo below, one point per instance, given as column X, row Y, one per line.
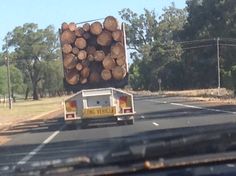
column 219, row 135
column 35, row 126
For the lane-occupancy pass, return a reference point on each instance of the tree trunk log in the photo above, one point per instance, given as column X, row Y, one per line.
column 80, row 43
column 91, row 50
column 66, row 48
column 87, row 35
column 106, row 74
column 86, row 27
column 120, row 61
column 105, row 38
column 69, row 61
column 117, row 35
column 99, row 55
column 90, row 58
column 96, row 28
column 72, row 77
column 118, row 73
column 64, row 26
column 83, row 80
column 79, row 32
column 67, row 37
column 108, row 62
column 110, row 23
column 85, row 72
column 94, row 77
column 82, row 55
column 79, row 66
column 72, row 26
column 117, row 50
column 75, row 50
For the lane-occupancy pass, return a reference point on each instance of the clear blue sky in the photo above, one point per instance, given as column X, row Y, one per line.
column 53, row 12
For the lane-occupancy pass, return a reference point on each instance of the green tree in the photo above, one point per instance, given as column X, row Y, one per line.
column 208, row 19
column 32, row 46
column 16, row 78
column 52, row 81
column 17, row 82
column 233, row 74
column 3, row 80
column 153, row 44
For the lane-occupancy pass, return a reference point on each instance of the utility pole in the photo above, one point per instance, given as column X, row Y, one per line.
column 159, row 85
column 8, row 77
column 218, row 63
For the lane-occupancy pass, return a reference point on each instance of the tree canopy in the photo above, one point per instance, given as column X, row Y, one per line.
column 32, row 46
column 182, row 44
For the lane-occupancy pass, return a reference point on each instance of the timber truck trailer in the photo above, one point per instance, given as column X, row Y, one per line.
column 96, row 70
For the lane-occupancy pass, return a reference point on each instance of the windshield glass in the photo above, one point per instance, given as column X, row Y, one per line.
column 91, row 86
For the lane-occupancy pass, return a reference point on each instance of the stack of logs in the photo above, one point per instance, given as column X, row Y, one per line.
column 93, row 52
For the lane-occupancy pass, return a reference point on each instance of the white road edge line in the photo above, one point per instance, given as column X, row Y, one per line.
column 154, row 123
column 195, row 107
column 38, row 148
column 208, row 109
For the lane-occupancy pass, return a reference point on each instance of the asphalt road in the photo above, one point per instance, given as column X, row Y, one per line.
column 50, row 140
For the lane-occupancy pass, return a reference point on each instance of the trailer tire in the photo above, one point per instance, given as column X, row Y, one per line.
column 84, row 124
column 130, row 121
column 71, row 126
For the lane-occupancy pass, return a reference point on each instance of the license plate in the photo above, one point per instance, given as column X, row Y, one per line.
column 104, row 111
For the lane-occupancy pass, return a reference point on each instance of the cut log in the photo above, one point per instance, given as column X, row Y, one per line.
column 94, row 77
column 72, row 77
column 75, row 50
column 117, row 35
column 66, row 48
column 90, row 58
column 96, row 28
column 110, row 23
column 106, row 49
column 120, row 61
column 80, row 43
column 82, row 55
column 79, row 66
column 118, row 73
column 86, row 27
column 85, row 72
column 69, row 61
column 117, row 50
column 64, row 26
column 87, row 35
column 85, row 63
column 99, row 55
column 67, row 37
column 72, row 26
column 91, row 50
column 108, row 62
column 106, row 74
column 83, row 80
column 79, row 32
column 105, row 38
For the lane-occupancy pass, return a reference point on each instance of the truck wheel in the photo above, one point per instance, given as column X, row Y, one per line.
column 71, row 126
column 130, row 121
column 84, row 124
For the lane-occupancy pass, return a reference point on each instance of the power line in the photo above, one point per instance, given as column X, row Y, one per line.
column 193, row 47
column 194, row 41
column 228, row 45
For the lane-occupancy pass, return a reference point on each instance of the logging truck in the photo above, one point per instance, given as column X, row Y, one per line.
column 96, row 70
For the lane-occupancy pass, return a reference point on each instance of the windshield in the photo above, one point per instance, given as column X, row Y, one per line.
column 117, row 87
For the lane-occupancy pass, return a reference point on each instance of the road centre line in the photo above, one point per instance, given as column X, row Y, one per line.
column 38, row 148
column 194, row 107
column 154, row 123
